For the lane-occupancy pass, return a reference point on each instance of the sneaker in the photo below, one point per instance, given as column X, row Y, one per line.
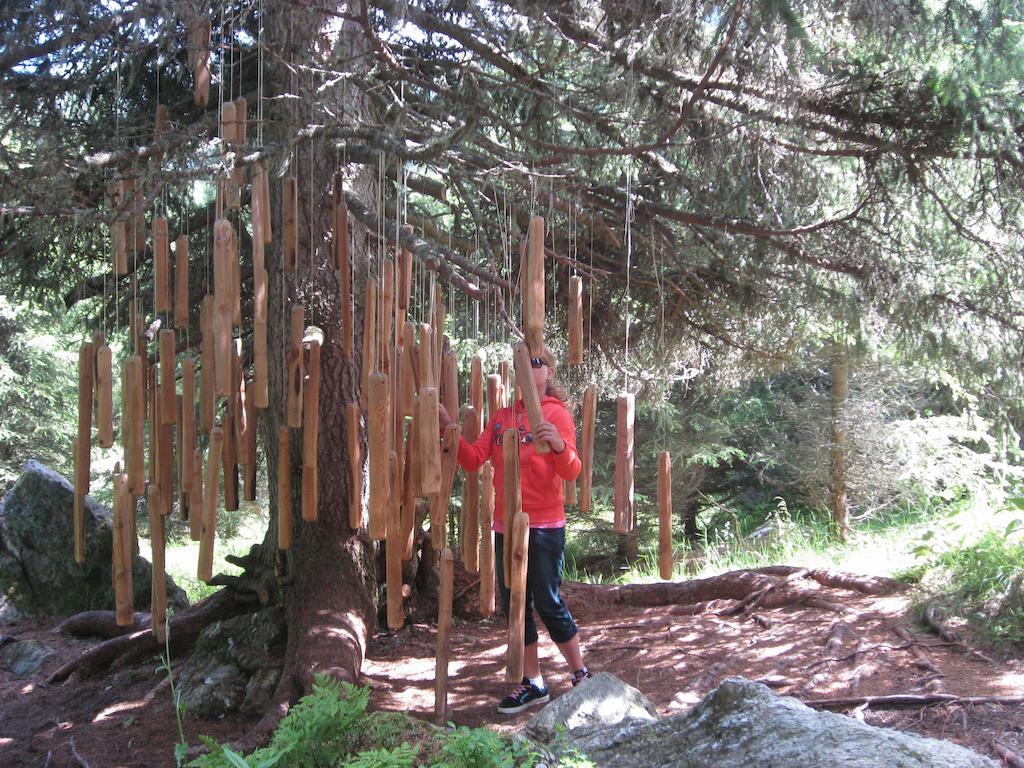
column 523, row 695
column 579, row 676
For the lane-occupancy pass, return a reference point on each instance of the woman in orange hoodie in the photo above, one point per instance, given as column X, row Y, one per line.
column 544, row 501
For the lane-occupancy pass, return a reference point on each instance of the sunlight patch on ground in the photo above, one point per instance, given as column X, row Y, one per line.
column 114, row 709
column 1011, row 683
column 28, row 688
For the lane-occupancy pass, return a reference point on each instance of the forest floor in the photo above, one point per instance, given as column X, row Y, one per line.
column 127, row 718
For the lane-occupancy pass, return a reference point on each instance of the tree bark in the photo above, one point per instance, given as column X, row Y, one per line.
column 328, row 576
column 840, row 393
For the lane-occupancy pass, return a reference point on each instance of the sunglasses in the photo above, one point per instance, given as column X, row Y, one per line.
column 537, row 362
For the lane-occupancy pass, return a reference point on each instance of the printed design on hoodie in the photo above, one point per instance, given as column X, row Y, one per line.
column 526, row 438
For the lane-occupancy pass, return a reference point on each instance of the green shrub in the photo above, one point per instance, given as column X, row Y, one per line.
column 401, row 756
column 481, row 748
column 982, row 585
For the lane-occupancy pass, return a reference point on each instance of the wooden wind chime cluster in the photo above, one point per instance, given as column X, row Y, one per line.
column 160, row 424
column 407, row 370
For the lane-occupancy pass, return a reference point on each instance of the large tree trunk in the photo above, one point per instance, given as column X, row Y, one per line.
column 840, row 393
column 328, row 577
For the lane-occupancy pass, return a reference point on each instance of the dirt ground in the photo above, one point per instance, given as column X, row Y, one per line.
column 127, row 718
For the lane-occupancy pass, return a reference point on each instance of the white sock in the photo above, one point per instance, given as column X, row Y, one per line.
column 537, row 682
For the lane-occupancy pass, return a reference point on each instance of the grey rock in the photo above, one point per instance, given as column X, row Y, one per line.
column 24, row 658
column 602, row 700
column 742, row 724
column 38, row 572
column 236, row 665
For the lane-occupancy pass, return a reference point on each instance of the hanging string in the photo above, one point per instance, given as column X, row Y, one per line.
column 629, row 215
column 260, row 63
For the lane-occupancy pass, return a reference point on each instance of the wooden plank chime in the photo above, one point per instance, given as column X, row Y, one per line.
column 518, row 543
column 665, row 515
column 293, row 363
column 158, row 585
column 511, row 501
column 586, row 446
column 378, row 450
column 161, row 266
column 531, row 399
column 624, row 464
column 533, row 288
column 444, row 627
column 486, row 540
column 284, row 489
column 223, row 304
column 439, row 501
column 355, row 463
column 369, row 338
column 394, row 547
column 82, row 444
column 123, row 553
column 310, row 433
column 133, row 424
column 199, row 32
column 104, row 396
column 470, row 496
column 207, row 362
column 208, row 533
column 181, row 298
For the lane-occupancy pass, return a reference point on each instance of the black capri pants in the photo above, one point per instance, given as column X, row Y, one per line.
column 543, row 579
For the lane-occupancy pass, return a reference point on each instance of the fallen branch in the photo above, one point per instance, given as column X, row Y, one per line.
column 910, row 700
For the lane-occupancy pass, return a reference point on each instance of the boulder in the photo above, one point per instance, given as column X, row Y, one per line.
column 38, row 572
column 602, row 700
column 236, row 665
column 24, row 658
column 742, row 724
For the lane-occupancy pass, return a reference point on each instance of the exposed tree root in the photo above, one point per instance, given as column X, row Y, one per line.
column 100, row 624
column 935, row 624
column 1011, row 758
column 769, row 587
column 184, row 629
column 910, row 700
column 922, row 660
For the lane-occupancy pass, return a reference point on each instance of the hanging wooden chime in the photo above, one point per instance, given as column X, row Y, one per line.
column 284, row 489
column 310, row 433
column 355, row 466
column 470, row 527
column 181, row 297
column 487, row 540
column 208, row 533
column 444, row 627
column 293, row 367
column 518, row 543
column 533, row 289
column 378, row 451
column 624, row 464
column 665, row 515
column 586, row 446
column 207, row 363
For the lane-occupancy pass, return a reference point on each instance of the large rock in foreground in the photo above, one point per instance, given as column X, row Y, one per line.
column 742, row 724
column 38, row 572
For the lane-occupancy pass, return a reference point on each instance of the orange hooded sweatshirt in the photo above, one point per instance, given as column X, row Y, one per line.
column 542, row 473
